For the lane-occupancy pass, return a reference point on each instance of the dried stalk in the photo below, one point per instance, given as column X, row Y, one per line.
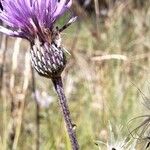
column 37, row 111
column 2, row 60
column 14, row 64
column 3, row 89
column 110, row 57
column 66, row 113
column 97, row 12
column 14, row 103
column 22, row 100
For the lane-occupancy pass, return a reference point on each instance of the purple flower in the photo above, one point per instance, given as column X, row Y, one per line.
column 34, row 20
column 30, row 19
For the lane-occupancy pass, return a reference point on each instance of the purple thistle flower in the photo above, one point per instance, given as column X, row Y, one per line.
column 34, row 20
column 30, row 19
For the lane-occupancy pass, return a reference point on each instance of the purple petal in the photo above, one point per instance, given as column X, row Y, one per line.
column 9, row 32
column 32, row 17
column 62, row 6
column 68, row 3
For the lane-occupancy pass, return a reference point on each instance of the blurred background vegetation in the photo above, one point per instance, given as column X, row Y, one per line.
column 106, row 82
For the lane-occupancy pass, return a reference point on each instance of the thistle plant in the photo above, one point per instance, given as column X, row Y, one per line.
column 34, row 20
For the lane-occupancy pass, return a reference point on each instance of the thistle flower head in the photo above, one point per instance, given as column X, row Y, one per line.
column 34, row 20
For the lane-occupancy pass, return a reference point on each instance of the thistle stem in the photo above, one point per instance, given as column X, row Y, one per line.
column 65, row 110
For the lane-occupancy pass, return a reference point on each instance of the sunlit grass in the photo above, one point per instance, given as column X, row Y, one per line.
column 99, row 91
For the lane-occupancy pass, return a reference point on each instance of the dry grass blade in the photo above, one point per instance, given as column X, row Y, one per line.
column 27, row 72
column 14, row 103
column 109, row 57
column 14, row 64
column 2, row 58
column 97, row 12
column 37, row 135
